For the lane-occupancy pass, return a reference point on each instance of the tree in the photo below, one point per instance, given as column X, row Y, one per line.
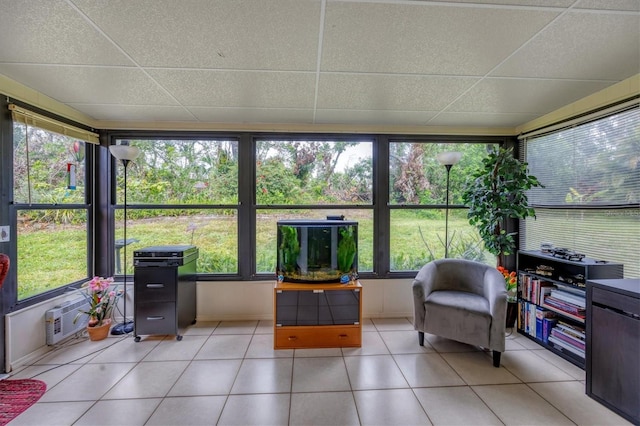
column 411, row 182
column 495, row 193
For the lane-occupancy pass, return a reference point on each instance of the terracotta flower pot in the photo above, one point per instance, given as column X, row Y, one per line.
column 99, row 332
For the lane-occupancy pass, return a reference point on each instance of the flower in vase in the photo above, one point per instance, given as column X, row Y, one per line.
column 510, row 282
column 102, row 299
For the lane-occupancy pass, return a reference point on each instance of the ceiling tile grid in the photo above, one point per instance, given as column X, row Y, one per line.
column 457, row 63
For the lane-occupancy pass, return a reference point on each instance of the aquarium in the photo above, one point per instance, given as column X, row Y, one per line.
column 317, row 251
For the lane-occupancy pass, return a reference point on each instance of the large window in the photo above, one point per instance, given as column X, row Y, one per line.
column 51, row 208
column 226, row 196
column 417, row 198
column 311, row 179
column 590, row 203
column 181, row 191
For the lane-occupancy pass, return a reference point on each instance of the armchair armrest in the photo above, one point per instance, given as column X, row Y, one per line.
column 422, row 287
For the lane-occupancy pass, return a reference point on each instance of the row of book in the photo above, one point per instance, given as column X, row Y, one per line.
column 532, row 288
column 568, row 337
column 536, row 321
column 546, row 326
column 563, row 299
column 566, row 303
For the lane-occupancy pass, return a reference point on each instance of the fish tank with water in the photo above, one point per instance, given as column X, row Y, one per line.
column 317, row 251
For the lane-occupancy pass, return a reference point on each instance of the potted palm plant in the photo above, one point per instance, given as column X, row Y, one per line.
column 496, row 193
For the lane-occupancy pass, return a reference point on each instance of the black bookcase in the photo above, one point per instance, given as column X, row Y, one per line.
column 551, row 300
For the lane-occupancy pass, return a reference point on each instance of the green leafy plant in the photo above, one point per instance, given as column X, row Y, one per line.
column 495, row 193
column 346, row 249
column 289, row 248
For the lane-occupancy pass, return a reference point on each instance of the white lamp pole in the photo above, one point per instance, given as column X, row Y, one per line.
column 126, row 154
column 447, row 159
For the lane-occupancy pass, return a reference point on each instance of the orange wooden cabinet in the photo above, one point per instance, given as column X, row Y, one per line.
column 317, row 315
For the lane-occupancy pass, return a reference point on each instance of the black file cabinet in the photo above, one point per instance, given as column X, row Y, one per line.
column 613, row 341
column 165, row 290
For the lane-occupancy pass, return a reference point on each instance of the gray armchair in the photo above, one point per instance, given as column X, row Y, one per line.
column 461, row 300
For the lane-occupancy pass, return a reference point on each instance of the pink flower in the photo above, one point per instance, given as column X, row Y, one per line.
column 101, row 298
column 99, row 284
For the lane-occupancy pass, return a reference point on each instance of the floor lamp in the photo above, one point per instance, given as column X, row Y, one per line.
column 126, row 154
column 447, row 159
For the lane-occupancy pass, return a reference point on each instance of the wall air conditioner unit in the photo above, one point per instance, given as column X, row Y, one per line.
column 59, row 320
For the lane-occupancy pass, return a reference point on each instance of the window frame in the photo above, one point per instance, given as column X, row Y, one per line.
column 13, row 303
column 385, row 172
column 247, row 207
column 109, row 220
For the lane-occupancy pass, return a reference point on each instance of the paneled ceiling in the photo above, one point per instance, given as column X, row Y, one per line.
column 455, row 63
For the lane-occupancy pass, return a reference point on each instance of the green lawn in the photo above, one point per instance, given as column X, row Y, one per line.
column 51, row 256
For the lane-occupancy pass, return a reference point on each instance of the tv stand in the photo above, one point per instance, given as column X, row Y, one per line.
column 317, row 315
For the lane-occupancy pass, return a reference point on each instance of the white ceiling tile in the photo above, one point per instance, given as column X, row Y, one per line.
column 523, row 96
column 519, row 3
column 240, row 34
column 253, row 115
column 424, row 38
column 480, row 119
column 574, row 47
column 387, row 92
column 381, row 61
column 134, row 112
column 88, row 84
column 239, row 88
column 629, row 5
column 50, row 31
column 385, row 118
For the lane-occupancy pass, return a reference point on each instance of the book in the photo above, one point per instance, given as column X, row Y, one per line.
column 564, row 313
column 565, row 306
column 522, row 279
column 562, row 345
column 547, row 326
column 570, row 289
column 541, row 314
column 532, row 319
column 569, row 298
column 545, row 291
column 576, row 343
column 571, row 330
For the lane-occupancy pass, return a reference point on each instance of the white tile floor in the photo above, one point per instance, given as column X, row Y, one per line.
column 228, row 374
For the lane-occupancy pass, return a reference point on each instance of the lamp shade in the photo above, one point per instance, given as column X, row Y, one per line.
column 124, row 152
column 449, row 158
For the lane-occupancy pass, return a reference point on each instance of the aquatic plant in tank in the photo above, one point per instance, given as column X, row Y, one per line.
column 317, row 251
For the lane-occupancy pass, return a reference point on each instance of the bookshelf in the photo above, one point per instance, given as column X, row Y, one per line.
column 551, row 300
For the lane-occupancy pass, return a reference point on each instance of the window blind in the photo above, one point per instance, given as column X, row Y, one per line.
column 591, row 200
column 31, row 118
column 592, row 165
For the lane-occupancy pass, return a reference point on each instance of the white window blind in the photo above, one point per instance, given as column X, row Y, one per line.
column 22, row 115
column 591, row 199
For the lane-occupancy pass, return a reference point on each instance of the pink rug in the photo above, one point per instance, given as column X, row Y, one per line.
column 18, row 395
